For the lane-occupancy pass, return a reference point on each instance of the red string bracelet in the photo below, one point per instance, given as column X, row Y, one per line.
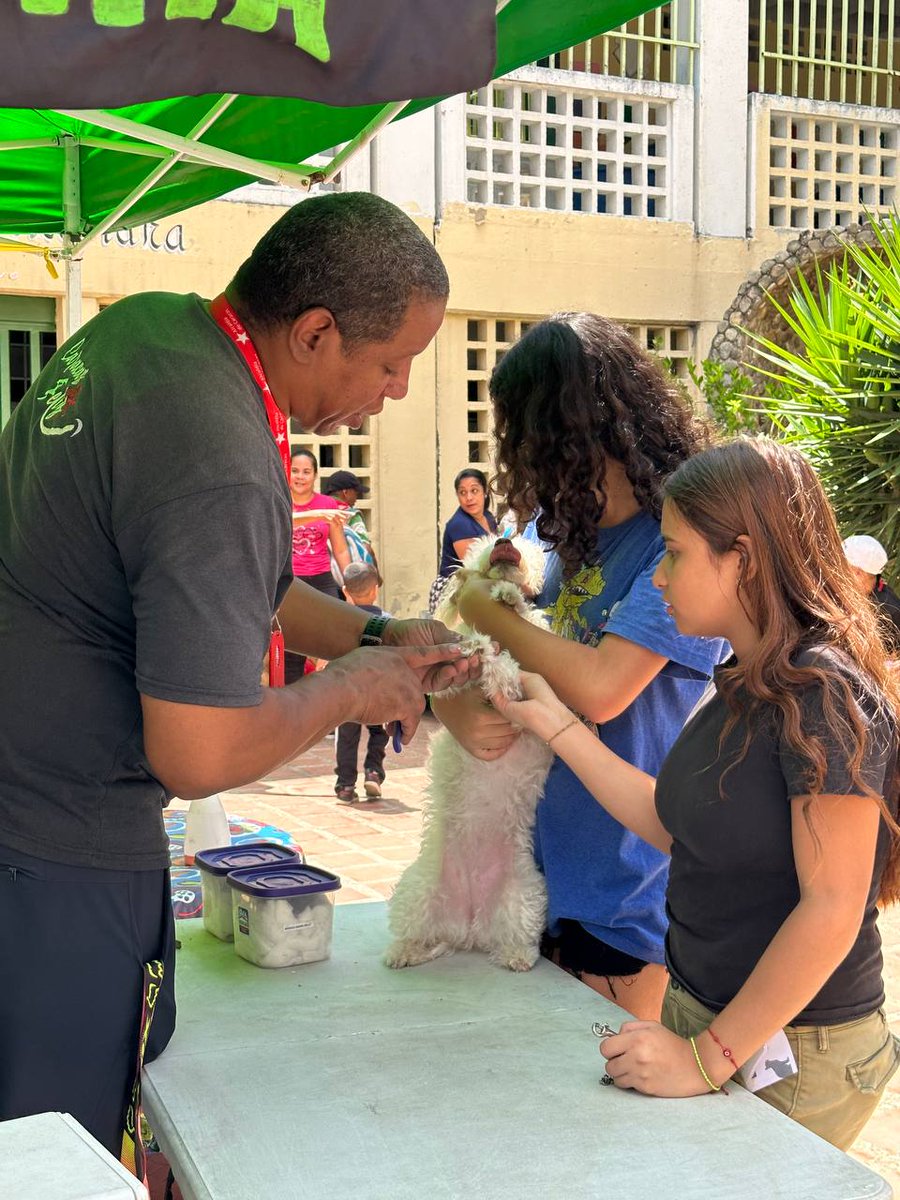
column 724, row 1049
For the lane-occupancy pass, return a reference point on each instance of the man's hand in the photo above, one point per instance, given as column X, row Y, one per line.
column 418, row 633
column 475, row 724
column 388, row 683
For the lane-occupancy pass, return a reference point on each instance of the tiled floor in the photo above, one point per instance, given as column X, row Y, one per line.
column 368, row 844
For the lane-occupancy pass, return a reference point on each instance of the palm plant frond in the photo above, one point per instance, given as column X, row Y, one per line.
column 835, row 391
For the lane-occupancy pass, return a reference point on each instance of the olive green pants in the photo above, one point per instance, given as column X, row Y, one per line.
column 841, row 1069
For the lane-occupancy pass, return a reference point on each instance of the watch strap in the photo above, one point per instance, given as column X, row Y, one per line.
column 373, row 631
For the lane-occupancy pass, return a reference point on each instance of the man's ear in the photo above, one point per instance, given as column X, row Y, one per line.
column 309, row 331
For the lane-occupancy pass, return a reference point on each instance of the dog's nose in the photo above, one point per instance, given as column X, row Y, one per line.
column 505, row 552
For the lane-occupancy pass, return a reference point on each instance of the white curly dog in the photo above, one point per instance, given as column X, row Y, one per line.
column 474, row 885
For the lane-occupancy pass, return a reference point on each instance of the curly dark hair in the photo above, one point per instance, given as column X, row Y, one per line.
column 574, row 391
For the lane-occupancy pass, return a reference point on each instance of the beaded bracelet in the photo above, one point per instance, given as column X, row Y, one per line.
column 724, row 1049
column 713, row 1087
column 574, row 721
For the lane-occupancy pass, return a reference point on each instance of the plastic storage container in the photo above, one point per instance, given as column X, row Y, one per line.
column 283, row 916
column 214, row 867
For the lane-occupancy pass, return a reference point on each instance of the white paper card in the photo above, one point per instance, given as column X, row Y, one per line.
column 773, row 1062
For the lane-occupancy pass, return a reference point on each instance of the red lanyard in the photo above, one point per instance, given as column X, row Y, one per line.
column 230, row 323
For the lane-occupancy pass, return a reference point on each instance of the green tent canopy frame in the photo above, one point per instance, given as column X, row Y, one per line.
column 80, row 174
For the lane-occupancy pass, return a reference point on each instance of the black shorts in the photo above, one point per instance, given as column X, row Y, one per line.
column 73, row 941
column 576, row 950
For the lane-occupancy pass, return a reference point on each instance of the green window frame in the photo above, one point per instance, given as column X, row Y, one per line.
column 27, row 341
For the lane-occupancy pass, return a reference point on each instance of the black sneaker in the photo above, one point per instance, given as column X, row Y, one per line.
column 346, row 795
column 373, row 785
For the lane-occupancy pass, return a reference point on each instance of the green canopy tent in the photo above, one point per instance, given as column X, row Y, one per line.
column 77, row 173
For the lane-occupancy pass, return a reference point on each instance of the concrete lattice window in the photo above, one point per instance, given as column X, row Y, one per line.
column 827, row 170
column 674, row 344
column 487, row 340
column 567, row 149
column 347, row 450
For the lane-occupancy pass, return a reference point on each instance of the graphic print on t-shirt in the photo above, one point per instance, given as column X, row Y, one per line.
column 566, row 619
column 63, row 395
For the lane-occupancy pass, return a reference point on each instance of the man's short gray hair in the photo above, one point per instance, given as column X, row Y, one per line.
column 350, row 252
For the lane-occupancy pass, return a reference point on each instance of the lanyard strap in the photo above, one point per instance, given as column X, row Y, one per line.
column 230, row 323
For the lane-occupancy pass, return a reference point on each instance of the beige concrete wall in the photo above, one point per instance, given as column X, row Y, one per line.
column 502, row 263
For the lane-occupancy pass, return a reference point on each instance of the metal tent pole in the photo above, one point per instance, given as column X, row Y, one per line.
column 72, row 223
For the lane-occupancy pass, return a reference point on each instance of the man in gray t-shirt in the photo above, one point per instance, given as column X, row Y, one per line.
column 145, row 545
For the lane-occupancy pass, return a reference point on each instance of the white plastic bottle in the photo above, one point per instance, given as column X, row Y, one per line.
column 206, row 825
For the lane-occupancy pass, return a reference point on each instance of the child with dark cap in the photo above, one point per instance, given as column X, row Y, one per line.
column 360, row 588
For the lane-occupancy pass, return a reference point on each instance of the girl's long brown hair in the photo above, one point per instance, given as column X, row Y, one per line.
column 798, row 592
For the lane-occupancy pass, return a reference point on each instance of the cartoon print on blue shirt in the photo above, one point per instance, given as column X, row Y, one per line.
column 565, row 613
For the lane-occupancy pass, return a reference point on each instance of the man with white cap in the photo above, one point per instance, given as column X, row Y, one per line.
column 867, row 558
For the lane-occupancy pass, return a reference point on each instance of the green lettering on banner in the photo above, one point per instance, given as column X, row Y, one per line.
column 45, row 8
column 258, row 16
column 118, row 12
column 255, row 16
column 202, row 10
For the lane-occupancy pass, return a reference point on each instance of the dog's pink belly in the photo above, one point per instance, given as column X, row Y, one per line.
column 473, row 878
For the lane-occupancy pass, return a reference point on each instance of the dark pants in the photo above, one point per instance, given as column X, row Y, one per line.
column 348, row 750
column 73, row 941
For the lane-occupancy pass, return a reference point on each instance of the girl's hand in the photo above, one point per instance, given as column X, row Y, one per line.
column 649, row 1058
column 541, row 710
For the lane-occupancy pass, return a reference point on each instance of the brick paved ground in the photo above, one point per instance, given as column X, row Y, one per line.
column 370, row 843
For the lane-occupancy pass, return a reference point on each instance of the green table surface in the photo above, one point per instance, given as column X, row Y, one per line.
column 457, row 1080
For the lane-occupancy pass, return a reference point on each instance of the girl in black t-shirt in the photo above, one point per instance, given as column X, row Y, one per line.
column 777, row 803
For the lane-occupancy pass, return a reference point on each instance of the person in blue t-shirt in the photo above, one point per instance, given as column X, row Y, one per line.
column 473, row 519
column 588, row 426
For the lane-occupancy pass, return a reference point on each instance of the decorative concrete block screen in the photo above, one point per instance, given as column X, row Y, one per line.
column 674, row 344
column 487, row 340
column 569, row 149
column 826, row 169
column 347, row 450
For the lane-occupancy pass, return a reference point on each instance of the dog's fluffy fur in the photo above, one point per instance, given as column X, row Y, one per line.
column 474, row 885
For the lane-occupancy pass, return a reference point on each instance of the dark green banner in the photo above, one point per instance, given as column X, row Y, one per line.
column 108, row 53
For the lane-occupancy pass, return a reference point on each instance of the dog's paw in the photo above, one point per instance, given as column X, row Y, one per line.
column 508, row 593
column 520, row 958
column 413, row 954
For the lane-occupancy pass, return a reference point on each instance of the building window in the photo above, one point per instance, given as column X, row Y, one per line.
column 568, row 150
column 27, row 342
column 826, row 50
column 659, row 45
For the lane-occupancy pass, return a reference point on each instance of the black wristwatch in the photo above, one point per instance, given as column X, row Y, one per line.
column 373, row 631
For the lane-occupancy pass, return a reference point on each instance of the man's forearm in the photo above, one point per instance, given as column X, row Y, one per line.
column 318, row 625
column 207, row 750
